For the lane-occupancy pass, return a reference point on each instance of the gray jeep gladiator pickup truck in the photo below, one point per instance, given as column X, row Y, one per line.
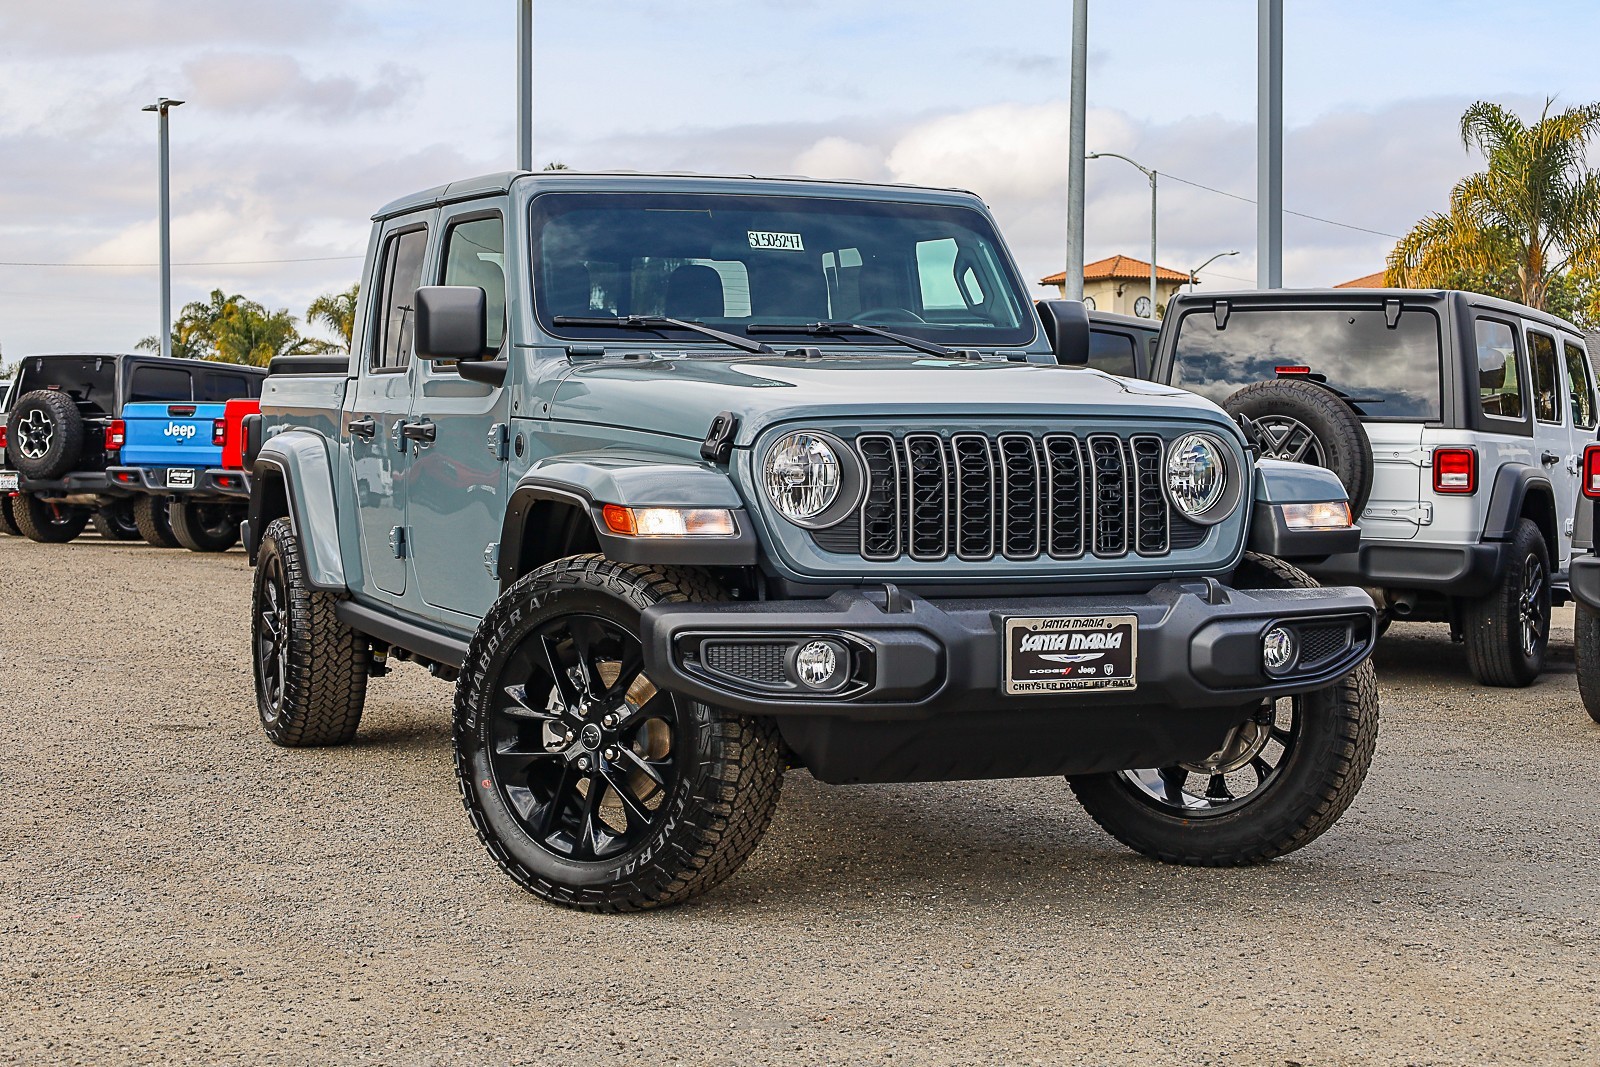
column 688, row 481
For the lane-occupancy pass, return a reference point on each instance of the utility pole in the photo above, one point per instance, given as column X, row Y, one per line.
column 1075, row 139
column 161, row 107
column 524, row 84
column 1269, row 144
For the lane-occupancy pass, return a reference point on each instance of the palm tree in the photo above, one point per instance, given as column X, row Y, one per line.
column 337, row 312
column 1523, row 223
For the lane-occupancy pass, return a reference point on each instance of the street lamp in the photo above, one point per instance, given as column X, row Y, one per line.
column 1148, row 173
column 1206, row 264
column 524, row 84
column 161, row 107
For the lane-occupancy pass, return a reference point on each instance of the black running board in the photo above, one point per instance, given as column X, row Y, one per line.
column 420, row 641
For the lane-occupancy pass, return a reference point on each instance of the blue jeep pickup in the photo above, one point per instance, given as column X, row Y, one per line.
column 688, row 481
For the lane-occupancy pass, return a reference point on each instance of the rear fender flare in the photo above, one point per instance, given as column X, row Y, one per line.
column 1522, row 490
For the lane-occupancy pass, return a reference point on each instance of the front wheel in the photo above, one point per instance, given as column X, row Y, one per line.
column 1586, row 646
column 1278, row 780
column 47, row 522
column 589, row 786
column 205, row 526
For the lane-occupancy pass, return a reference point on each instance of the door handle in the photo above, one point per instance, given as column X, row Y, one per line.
column 1549, row 459
column 364, row 427
column 422, row 432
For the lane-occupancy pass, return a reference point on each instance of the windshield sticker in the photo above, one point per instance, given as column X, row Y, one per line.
column 786, row 242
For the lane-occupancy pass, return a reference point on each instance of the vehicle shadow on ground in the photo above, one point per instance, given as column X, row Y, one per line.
column 1426, row 654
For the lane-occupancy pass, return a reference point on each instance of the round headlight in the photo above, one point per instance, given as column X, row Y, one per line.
column 1197, row 474
column 803, row 476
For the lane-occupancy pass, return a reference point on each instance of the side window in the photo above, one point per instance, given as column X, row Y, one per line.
column 1499, row 388
column 215, row 388
column 1546, row 377
column 153, row 383
column 475, row 254
column 1112, row 353
column 402, row 273
column 1580, row 385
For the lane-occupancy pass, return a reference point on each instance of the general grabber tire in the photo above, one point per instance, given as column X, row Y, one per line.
column 115, row 522
column 588, row 785
column 1284, row 777
column 1586, row 642
column 47, row 523
column 1302, row 421
column 8, row 518
column 45, row 434
column 205, row 526
column 1506, row 632
column 150, row 514
column 310, row 668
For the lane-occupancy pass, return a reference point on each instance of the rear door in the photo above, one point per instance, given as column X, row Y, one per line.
column 1582, row 416
column 457, row 478
column 1553, row 437
column 382, row 402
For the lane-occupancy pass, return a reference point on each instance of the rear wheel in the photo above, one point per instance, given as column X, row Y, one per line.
column 588, row 785
column 150, row 514
column 8, row 518
column 1507, row 631
column 204, row 526
column 1278, row 781
column 1586, row 642
column 46, row 522
column 115, row 522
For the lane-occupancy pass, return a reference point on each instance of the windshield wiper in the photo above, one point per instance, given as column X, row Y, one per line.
column 840, row 329
column 656, row 322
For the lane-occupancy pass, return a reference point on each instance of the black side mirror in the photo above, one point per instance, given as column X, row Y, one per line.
column 452, row 322
column 1066, row 323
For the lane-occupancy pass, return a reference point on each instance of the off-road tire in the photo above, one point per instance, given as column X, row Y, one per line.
column 48, row 524
column 1317, row 782
column 1492, row 625
column 8, row 518
column 1346, row 449
column 323, row 684
column 719, row 806
column 151, row 515
column 195, row 525
column 67, row 434
column 115, row 521
column 1586, row 649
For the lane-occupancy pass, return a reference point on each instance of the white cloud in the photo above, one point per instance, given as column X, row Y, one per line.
column 244, row 82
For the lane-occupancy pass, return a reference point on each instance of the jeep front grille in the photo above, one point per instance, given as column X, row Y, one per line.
column 975, row 496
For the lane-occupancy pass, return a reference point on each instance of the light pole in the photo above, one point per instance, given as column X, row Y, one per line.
column 1072, row 288
column 1269, row 144
column 524, row 84
column 1148, row 173
column 1207, row 263
column 161, row 107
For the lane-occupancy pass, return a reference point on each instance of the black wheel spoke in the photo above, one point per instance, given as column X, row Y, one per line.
column 553, row 806
column 628, row 671
column 558, row 673
column 1173, row 778
column 635, row 808
column 515, row 757
column 520, row 708
column 588, row 820
column 645, row 766
column 1262, row 768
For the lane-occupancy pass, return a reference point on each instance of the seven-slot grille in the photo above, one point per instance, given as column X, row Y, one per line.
column 976, row 496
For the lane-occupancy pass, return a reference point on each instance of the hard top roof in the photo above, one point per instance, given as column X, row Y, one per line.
column 148, row 357
column 1354, row 295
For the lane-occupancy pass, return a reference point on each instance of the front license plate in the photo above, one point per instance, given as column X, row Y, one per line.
column 1060, row 655
column 180, row 478
column 8, row 481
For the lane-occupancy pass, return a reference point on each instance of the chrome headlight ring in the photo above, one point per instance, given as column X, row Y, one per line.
column 811, row 478
column 1203, row 479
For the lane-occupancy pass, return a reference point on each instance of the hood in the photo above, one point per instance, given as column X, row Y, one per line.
column 680, row 396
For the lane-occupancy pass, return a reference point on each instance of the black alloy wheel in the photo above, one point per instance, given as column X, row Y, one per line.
column 1247, row 764
column 272, row 637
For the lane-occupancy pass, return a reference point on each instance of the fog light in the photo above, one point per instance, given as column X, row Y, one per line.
column 820, row 665
column 1277, row 649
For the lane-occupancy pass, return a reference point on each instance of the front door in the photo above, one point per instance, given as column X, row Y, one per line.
column 1553, row 438
column 378, row 457
column 458, row 481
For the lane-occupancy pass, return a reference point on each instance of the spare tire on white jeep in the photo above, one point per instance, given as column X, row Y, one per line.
column 1304, row 422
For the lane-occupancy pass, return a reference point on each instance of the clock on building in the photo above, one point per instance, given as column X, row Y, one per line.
column 1142, row 308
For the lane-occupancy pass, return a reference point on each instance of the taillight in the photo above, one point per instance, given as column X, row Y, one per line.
column 1455, row 470
column 1591, row 472
column 2, row 435
column 219, row 431
column 116, row 434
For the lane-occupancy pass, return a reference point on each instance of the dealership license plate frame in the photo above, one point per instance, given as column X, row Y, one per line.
column 181, row 477
column 1088, row 663
column 8, row 481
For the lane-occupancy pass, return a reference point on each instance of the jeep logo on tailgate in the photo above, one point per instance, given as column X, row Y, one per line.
column 178, row 429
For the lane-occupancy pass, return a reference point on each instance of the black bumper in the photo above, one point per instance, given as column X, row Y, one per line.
column 73, row 483
column 1454, row 570
column 927, row 699
column 1584, row 578
column 215, row 483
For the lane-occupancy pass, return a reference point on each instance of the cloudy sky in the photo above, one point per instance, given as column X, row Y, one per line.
column 305, row 115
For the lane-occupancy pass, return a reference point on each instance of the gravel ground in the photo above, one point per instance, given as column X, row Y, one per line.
column 174, row 889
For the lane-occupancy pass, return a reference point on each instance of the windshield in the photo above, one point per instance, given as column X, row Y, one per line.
column 931, row 271
column 1390, row 372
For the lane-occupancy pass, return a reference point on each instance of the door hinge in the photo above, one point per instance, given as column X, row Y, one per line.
column 397, row 542
column 491, row 558
column 1421, row 514
column 496, row 440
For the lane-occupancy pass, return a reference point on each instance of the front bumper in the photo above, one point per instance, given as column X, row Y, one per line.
column 1454, row 570
column 217, row 483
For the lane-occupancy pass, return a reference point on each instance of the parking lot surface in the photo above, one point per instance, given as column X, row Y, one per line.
column 175, row 889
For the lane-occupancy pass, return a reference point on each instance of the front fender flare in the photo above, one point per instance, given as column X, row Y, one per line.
column 299, row 460
column 1278, row 482
column 588, row 481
